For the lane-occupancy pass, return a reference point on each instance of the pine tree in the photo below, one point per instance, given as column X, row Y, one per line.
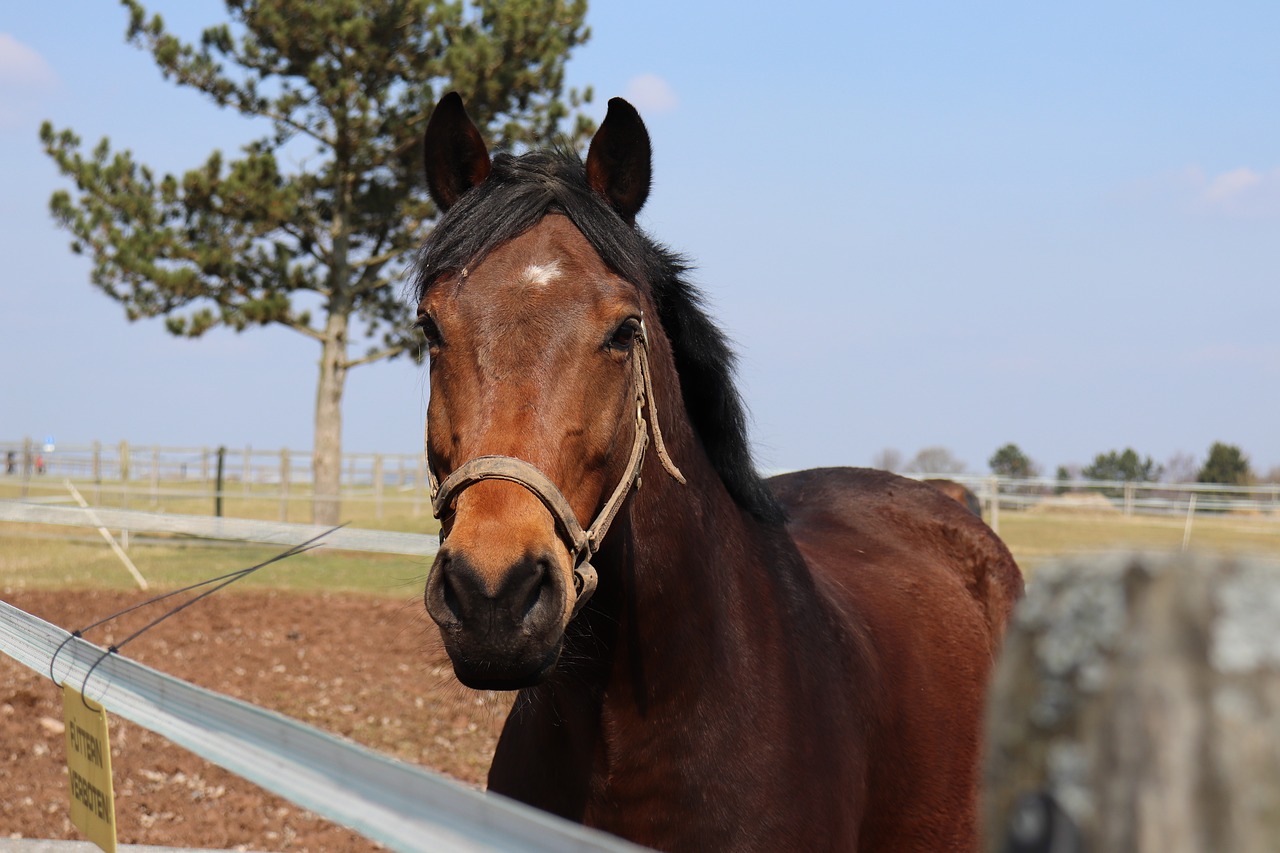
column 242, row 242
column 1226, row 464
column 1010, row 461
column 1124, row 465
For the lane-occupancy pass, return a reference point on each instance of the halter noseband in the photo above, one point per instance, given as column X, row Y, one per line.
column 582, row 544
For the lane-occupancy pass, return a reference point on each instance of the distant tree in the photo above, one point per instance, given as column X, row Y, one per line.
column 888, row 459
column 934, row 460
column 1010, row 461
column 1181, row 468
column 1225, row 464
column 1273, row 476
column 1064, row 475
column 320, row 248
column 1124, row 465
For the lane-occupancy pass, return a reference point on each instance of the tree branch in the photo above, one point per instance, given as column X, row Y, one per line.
column 374, row 356
column 302, row 328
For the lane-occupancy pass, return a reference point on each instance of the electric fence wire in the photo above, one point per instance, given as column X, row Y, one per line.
column 221, row 581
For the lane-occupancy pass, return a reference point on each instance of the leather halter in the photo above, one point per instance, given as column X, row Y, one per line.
column 582, row 544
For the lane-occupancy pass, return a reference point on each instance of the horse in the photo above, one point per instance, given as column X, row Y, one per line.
column 714, row 660
column 958, row 492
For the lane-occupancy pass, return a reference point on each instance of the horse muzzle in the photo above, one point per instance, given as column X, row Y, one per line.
column 503, row 634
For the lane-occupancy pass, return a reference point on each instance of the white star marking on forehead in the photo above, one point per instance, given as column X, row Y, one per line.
column 540, row 275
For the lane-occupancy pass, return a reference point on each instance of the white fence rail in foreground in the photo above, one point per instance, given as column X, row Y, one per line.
column 210, row 527
column 394, row 803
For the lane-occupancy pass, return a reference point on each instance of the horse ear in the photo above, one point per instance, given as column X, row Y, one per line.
column 455, row 154
column 618, row 162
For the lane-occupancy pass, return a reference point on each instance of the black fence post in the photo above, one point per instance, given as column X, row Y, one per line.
column 217, row 495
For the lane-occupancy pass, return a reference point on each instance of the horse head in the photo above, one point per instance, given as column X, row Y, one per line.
column 539, row 384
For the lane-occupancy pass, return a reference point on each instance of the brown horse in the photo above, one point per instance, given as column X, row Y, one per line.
column 792, row 664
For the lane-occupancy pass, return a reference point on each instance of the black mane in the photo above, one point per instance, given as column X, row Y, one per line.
column 517, row 194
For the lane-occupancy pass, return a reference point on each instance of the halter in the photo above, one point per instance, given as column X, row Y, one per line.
column 582, row 544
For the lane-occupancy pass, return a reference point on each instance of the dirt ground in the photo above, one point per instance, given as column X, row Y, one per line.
column 369, row 669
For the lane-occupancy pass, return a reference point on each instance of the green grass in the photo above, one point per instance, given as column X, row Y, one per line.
column 51, row 557
column 48, row 556
column 33, row 557
column 397, row 511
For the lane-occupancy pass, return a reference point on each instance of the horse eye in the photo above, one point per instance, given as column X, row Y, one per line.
column 430, row 331
column 624, row 337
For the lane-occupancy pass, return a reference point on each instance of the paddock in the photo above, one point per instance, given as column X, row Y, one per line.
column 336, row 639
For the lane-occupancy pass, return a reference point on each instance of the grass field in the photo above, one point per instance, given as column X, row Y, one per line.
column 40, row 556
column 1036, row 537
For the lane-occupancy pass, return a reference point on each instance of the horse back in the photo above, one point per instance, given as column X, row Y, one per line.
column 855, row 521
column 926, row 588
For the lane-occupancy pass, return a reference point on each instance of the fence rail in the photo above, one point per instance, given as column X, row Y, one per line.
column 123, row 473
column 157, row 475
column 1171, row 500
column 397, row 804
column 230, row 529
column 243, row 466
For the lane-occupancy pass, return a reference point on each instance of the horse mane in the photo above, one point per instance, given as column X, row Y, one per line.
column 518, row 193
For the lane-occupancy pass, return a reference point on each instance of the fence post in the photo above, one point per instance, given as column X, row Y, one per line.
column 1128, row 500
column 27, row 462
column 377, row 485
column 248, row 470
column 155, row 474
column 284, row 484
column 204, row 466
column 217, row 499
column 995, row 504
column 97, row 472
column 1133, row 709
column 1191, row 514
column 124, row 473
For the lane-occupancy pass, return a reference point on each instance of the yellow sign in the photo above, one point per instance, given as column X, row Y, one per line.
column 93, row 807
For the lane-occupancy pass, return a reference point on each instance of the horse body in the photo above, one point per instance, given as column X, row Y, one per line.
column 791, row 664
column 818, row 684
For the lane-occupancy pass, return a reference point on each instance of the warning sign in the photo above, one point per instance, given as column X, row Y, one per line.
column 89, row 762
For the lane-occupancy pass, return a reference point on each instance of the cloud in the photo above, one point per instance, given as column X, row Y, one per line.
column 1233, row 185
column 1240, row 193
column 21, row 65
column 650, row 93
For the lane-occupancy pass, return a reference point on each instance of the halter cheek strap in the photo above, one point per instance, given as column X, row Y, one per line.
column 582, row 544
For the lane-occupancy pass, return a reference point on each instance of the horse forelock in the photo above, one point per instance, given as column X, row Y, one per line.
column 518, row 193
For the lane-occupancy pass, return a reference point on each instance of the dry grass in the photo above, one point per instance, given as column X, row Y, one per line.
column 36, row 556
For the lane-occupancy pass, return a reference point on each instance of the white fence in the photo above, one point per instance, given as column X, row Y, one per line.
column 1173, row 500
column 243, row 467
column 397, row 804
column 155, row 475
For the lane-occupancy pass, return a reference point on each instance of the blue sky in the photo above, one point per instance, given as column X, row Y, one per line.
column 956, row 224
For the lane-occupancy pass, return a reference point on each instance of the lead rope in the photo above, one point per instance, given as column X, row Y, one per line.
column 658, row 444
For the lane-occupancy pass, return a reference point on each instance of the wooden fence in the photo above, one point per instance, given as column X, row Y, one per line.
column 128, row 474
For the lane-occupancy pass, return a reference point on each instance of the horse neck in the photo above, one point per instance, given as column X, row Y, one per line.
column 701, row 593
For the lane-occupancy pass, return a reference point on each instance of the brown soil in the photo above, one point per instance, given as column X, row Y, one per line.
column 369, row 669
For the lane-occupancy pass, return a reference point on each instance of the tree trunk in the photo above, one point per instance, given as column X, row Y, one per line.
column 1136, row 708
column 326, row 458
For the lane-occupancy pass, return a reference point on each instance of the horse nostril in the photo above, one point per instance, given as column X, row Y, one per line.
column 442, row 595
column 540, row 583
column 450, row 597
